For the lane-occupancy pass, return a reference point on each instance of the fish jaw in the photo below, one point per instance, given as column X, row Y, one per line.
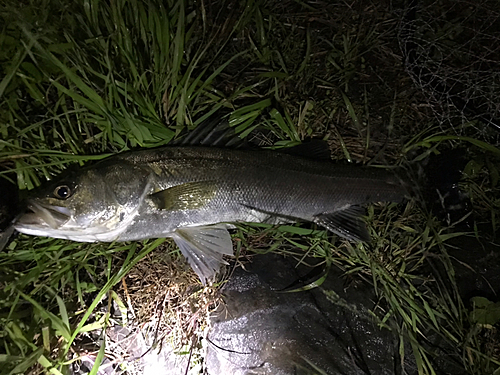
column 58, row 222
column 96, row 235
column 53, row 216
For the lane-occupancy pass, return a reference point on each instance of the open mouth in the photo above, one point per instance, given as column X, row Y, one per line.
column 39, row 214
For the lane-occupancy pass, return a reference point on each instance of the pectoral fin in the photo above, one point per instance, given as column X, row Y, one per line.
column 346, row 223
column 190, row 195
column 204, row 247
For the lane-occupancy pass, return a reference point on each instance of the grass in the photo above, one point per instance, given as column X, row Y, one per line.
column 79, row 84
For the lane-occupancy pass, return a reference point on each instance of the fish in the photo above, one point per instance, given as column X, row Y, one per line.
column 194, row 194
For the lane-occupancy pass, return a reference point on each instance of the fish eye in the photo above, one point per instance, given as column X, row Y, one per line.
column 62, row 192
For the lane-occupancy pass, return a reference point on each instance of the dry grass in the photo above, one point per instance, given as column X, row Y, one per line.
column 167, row 299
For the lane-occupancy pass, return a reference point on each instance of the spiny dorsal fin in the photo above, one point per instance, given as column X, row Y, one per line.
column 215, row 132
column 346, row 223
column 315, row 149
column 190, row 195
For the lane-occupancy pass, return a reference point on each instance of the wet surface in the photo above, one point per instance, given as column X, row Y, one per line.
column 262, row 331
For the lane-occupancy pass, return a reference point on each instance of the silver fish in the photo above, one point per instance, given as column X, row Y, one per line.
column 191, row 193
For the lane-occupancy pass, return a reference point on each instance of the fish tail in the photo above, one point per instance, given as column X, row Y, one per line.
column 434, row 182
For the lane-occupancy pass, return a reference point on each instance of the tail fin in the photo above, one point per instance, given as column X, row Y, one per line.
column 443, row 194
column 435, row 182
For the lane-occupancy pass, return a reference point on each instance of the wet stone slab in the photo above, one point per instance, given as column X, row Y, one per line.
column 262, row 331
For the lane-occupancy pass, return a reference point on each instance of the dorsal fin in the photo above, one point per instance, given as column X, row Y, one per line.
column 215, row 131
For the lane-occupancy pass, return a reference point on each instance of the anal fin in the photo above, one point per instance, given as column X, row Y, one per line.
column 204, row 247
column 346, row 223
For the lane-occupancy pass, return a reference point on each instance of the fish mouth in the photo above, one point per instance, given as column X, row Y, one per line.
column 39, row 214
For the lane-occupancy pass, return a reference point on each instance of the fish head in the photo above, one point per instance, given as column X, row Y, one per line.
column 94, row 204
